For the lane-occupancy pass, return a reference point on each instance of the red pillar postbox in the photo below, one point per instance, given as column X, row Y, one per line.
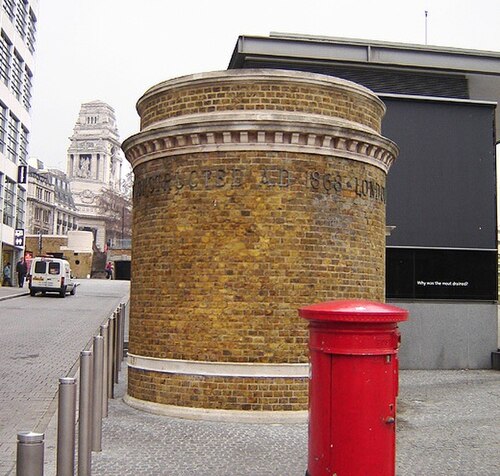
column 353, row 387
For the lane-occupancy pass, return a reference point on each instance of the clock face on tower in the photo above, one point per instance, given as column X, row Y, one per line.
column 87, row 196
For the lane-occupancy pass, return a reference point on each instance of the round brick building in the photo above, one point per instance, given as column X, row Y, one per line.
column 256, row 192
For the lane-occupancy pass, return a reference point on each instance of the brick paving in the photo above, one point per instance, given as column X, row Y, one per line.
column 448, row 424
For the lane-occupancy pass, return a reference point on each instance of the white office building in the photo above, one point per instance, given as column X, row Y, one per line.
column 17, row 47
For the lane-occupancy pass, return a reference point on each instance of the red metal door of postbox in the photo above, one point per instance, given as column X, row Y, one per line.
column 353, row 388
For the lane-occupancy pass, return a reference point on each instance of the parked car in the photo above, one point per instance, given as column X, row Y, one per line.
column 51, row 275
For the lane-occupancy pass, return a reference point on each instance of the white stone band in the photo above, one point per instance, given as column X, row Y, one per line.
column 218, row 369
column 242, row 416
column 266, row 131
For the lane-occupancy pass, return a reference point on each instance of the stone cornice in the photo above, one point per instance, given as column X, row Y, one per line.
column 264, row 131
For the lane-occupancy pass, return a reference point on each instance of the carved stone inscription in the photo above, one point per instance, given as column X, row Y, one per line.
column 329, row 182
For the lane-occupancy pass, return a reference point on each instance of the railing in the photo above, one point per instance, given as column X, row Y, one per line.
column 121, row 244
column 99, row 372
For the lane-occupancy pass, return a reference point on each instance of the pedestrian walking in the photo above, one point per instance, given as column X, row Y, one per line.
column 109, row 270
column 6, row 281
column 22, row 271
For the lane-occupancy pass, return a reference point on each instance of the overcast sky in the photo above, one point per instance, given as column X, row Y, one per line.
column 113, row 50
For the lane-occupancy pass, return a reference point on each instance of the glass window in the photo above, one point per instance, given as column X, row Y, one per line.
column 27, row 87
column 5, row 58
column 17, row 75
column 54, row 267
column 8, row 209
column 40, row 266
column 20, row 207
column 9, row 6
column 12, row 138
column 21, row 17
column 1, row 190
column 3, row 125
column 31, row 31
column 23, row 145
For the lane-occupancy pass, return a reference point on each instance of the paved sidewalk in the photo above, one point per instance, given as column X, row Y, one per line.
column 40, row 341
column 7, row 292
column 448, row 424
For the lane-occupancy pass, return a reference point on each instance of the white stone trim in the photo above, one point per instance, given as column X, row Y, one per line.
column 276, row 131
column 242, row 416
column 218, row 369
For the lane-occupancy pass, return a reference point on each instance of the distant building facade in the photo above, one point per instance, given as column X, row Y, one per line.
column 51, row 209
column 18, row 19
column 40, row 203
column 65, row 213
column 94, row 164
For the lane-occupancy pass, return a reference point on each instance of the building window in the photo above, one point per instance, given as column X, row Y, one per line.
column 46, row 196
column 27, row 86
column 38, row 213
column 1, row 190
column 3, row 125
column 17, row 75
column 21, row 207
column 39, row 193
column 21, row 17
column 31, row 32
column 12, row 138
column 10, row 6
column 46, row 216
column 5, row 58
column 8, row 209
column 23, row 145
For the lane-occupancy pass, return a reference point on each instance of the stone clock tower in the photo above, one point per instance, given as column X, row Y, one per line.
column 94, row 164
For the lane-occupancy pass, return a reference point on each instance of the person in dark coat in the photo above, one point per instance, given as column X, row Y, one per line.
column 21, row 270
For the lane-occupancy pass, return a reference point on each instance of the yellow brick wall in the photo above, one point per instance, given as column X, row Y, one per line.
column 228, row 244
column 218, row 273
column 279, row 94
column 222, row 393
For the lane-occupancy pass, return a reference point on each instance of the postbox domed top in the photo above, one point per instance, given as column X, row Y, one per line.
column 353, row 311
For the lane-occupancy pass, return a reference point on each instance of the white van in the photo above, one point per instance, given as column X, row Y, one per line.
column 51, row 275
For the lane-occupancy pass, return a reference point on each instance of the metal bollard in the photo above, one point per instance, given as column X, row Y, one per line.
column 122, row 333
column 111, row 354
column 104, row 333
column 66, row 427
column 84, row 428
column 30, row 448
column 117, row 360
column 96, row 417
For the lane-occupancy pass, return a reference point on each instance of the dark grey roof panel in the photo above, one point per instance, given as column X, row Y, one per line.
column 369, row 52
